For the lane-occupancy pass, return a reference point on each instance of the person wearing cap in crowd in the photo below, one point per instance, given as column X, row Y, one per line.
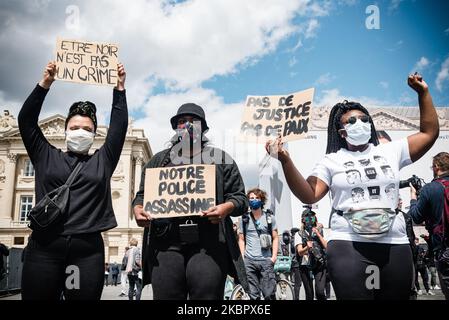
column 196, row 266
column 76, row 240
column 311, row 245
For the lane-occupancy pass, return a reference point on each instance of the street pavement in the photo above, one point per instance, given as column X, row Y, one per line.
column 113, row 293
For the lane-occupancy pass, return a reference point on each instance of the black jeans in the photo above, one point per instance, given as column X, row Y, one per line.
column 296, row 276
column 442, row 265
column 72, row 266
column 370, row 271
column 319, row 275
column 424, row 275
column 328, row 286
column 190, row 272
column 134, row 281
column 114, row 279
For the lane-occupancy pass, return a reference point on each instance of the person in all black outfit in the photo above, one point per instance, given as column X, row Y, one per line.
column 180, row 267
column 74, row 247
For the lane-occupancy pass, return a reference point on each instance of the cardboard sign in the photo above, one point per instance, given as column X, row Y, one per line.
column 86, row 62
column 264, row 117
column 179, row 191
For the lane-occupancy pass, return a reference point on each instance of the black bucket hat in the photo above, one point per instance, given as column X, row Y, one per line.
column 190, row 109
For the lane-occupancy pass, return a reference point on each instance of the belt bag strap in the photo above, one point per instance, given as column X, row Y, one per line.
column 73, row 175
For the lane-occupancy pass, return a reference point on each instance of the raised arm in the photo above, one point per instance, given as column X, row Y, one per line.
column 429, row 128
column 32, row 136
column 118, row 124
column 307, row 191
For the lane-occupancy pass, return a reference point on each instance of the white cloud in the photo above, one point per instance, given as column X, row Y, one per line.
column 223, row 120
column 407, row 99
column 394, row 5
column 292, row 62
column 331, row 97
column 173, row 47
column 397, row 46
column 421, row 64
column 324, row 79
column 384, row 84
column 311, row 29
column 443, row 75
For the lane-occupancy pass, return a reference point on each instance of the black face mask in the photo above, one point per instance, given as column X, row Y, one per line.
column 286, row 239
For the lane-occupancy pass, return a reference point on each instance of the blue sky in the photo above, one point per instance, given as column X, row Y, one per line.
column 353, row 59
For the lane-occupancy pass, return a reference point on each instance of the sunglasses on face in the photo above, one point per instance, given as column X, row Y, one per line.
column 192, row 121
column 353, row 119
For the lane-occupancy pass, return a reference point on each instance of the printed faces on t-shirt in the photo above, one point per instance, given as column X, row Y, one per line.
column 365, row 180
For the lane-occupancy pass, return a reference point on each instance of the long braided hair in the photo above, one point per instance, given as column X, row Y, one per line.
column 334, row 140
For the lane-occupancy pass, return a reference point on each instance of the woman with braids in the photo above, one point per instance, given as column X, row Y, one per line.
column 73, row 246
column 190, row 257
column 368, row 255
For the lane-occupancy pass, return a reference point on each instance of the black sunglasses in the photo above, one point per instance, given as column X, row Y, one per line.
column 353, row 119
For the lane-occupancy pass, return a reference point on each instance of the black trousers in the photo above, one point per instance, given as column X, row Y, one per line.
column 319, row 275
column 114, row 279
column 72, row 266
column 422, row 270
column 190, row 272
column 370, row 271
column 296, row 276
column 442, row 265
column 134, row 281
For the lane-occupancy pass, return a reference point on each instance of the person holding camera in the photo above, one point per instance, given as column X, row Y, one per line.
column 311, row 245
column 74, row 239
column 363, row 177
column 259, row 244
column 432, row 207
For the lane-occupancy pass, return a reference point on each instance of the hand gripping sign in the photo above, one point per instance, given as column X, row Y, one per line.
column 179, row 191
column 86, row 62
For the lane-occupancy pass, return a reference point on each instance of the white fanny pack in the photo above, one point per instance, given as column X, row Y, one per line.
column 370, row 223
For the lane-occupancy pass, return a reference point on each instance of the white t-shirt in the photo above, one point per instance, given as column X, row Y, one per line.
column 363, row 180
column 298, row 241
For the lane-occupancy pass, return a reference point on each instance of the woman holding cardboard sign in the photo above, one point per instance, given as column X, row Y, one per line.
column 368, row 254
column 189, row 257
column 65, row 252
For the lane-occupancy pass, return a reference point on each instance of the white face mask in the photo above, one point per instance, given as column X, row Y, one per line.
column 358, row 133
column 79, row 141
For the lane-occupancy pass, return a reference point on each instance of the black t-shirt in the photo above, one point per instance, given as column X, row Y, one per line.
column 90, row 205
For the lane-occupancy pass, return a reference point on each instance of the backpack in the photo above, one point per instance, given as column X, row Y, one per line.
column 124, row 262
column 135, row 266
column 245, row 221
column 441, row 231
